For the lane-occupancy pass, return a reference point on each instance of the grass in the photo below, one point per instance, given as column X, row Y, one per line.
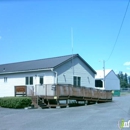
column 125, row 93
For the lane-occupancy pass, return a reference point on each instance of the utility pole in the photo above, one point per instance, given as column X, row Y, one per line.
column 72, row 44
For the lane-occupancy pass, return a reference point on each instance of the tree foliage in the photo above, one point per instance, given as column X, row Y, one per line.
column 123, row 80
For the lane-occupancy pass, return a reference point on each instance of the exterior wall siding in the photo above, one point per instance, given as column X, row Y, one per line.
column 7, row 88
column 112, row 82
column 66, row 73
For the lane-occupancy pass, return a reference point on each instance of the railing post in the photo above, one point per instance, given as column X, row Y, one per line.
column 57, row 90
column 46, row 90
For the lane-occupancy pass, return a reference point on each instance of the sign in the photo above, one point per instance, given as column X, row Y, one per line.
column 20, row 90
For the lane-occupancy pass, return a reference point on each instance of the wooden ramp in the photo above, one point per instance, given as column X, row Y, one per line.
column 51, row 95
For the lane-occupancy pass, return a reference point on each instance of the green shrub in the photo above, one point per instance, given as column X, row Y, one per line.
column 15, row 102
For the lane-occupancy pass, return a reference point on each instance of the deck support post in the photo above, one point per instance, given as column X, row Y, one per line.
column 67, row 103
column 48, row 103
column 43, row 100
column 58, row 104
column 85, row 103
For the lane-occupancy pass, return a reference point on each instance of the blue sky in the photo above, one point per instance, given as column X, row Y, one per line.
column 32, row 30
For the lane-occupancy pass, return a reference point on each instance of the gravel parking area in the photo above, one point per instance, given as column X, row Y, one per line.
column 104, row 116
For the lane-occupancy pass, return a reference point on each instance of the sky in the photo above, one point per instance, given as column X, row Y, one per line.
column 40, row 29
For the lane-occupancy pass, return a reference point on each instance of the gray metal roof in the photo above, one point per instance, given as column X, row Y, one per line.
column 37, row 64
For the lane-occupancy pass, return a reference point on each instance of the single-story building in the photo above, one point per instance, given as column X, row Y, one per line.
column 70, row 69
column 112, row 82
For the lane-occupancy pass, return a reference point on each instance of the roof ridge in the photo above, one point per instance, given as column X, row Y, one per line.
column 38, row 59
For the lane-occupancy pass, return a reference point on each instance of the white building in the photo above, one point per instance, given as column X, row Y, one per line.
column 112, row 82
column 58, row 70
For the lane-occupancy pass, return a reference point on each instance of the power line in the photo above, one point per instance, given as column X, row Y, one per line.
column 119, row 30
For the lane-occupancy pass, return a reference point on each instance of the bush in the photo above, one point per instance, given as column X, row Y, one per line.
column 15, row 102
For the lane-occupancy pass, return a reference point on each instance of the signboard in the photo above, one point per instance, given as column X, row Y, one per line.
column 20, row 90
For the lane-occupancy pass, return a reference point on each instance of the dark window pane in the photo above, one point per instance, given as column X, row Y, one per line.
column 79, row 81
column 5, row 79
column 74, row 81
column 41, row 80
column 31, row 80
column 98, row 83
column 26, row 80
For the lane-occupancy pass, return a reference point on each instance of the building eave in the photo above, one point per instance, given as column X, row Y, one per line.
column 26, row 71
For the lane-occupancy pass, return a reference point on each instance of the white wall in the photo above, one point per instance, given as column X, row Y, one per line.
column 49, row 78
column 112, row 82
column 65, row 73
column 7, row 89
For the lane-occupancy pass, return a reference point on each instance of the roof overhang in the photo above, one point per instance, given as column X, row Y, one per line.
column 15, row 72
column 99, row 78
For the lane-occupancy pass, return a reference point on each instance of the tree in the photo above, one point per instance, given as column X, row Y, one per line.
column 123, row 80
column 123, row 84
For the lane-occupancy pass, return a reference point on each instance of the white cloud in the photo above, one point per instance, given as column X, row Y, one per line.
column 128, row 68
column 127, row 63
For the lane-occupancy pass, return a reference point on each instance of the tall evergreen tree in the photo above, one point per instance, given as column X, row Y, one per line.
column 123, row 79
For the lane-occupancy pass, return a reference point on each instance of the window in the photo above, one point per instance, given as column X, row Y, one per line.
column 29, row 80
column 98, row 83
column 76, row 81
column 41, row 80
column 5, row 79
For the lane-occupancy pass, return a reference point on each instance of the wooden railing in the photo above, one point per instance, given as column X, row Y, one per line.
column 69, row 91
column 84, row 92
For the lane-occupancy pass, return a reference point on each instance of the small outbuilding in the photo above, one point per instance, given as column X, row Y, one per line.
column 107, row 81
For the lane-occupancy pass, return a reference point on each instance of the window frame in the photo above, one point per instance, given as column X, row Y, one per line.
column 41, row 79
column 98, row 83
column 5, row 79
column 77, row 81
column 29, row 80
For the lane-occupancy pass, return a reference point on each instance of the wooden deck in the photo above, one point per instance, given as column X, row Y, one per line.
column 50, row 96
